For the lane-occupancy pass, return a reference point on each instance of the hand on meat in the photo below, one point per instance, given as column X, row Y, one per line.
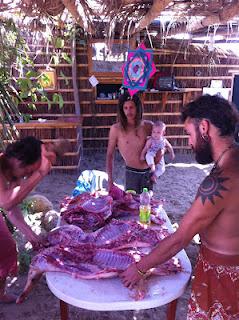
column 131, row 276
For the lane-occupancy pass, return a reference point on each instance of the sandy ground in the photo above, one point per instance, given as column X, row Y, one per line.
column 177, row 186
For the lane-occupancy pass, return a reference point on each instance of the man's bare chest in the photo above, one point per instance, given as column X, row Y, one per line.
column 132, row 139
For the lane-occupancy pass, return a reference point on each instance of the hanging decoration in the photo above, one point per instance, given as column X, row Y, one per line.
column 138, row 69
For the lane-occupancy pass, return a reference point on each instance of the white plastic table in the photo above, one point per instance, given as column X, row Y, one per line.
column 111, row 295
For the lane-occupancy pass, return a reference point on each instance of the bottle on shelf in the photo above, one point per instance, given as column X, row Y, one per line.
column 145, row 207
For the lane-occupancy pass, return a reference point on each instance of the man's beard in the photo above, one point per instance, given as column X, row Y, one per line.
column 203, row 150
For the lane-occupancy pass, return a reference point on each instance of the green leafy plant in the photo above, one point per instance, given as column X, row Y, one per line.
column 57, row 98
column 19, row 81
column 26, row 207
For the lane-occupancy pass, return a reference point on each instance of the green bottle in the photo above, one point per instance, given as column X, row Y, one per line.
column 145, row 207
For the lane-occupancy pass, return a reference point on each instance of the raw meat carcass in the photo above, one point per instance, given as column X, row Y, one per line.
column 68, row 235
column 87, row 211
column 82, row 262
column 91, row 212
column 125, row 234
column 101, row 254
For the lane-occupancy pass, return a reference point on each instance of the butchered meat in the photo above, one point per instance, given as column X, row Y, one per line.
column 87, row 211
column 100, row 254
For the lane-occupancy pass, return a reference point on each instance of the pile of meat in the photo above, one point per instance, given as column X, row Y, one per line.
column 91, row 212
column 94, row 244
column 101, row 254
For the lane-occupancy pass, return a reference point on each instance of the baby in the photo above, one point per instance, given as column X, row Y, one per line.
column 154, row 143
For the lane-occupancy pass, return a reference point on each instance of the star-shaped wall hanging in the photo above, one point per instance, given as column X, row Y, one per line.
column 138, row 69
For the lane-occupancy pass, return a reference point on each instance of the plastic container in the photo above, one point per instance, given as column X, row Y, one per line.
column 145, row 207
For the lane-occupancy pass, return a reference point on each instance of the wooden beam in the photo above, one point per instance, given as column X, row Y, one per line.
column 169, row 125
column 89, row 115
column 57, row 115
column 224, row 15
column 127, row 2
column 74, row 77
column 196, row 65
column 157, row 7
column 106, row 138
column 48, row 124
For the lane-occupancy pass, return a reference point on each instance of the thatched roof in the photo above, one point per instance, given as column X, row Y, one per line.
column 132, row 16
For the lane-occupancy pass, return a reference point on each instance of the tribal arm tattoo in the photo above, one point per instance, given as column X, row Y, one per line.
column 212, row 186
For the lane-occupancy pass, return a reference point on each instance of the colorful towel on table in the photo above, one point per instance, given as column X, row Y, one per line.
column 8, row 252
column 215, row 287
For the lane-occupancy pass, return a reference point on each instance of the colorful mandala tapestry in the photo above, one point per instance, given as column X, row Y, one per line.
column 138, row 69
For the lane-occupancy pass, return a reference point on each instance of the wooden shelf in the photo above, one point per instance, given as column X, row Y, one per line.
column 82, row 78
column 196, row 65
column 52, row 140
column 85, row 115
column 167, row 102
column 50, row 115
column 108, row 126
column 43, row 102
column 48, row 124
column 186, row 96
column 86, row 90
column 59, row 65
column 181, row 90
column 202, row 77
column 60, row 90
column 106, row 101
column 55, row 90
column 85, row 102
column 51, row 46
column 65, row 167
column 167, row 136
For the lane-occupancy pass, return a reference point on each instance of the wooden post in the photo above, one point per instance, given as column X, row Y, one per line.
column 187, row 97
column 164, row 100
column 76, row 95
column 63, row 310
column 171, row 312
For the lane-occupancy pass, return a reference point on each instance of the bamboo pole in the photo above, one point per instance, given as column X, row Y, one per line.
column 76, row 92
column 157, row 7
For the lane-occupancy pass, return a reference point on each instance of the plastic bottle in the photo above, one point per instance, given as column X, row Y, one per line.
column 145, row 207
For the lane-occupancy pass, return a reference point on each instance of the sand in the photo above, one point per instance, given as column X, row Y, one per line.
column 177, row 186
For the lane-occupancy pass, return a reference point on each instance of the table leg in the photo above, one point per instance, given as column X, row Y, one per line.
column 171, row 312
column 64, row 310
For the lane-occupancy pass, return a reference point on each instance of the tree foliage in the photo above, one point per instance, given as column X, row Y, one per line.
column 19, row 80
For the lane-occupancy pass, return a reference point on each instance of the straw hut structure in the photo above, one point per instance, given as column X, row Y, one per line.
column 184, row 36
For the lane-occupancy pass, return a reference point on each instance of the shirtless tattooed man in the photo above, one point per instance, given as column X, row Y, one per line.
column 210, row 123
